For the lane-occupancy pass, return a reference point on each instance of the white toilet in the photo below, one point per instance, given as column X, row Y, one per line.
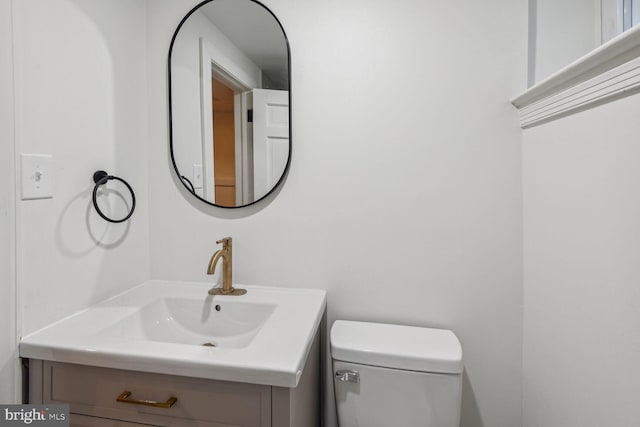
column 396, row 376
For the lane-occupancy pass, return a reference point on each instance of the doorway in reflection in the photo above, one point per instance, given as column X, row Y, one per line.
column 224, row 147
column 246, row 149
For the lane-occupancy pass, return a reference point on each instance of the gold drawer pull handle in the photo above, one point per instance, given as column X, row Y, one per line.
column 124, row 398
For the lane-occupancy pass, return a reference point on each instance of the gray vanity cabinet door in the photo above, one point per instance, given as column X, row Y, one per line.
column 91, row 394
column 92, row 391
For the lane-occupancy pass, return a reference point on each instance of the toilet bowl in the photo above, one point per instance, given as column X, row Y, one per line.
column 392, row 375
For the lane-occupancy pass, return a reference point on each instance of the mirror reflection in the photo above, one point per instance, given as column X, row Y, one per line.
column 230, row 102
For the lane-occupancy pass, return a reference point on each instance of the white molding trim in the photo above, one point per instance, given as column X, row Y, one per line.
column 610, row 72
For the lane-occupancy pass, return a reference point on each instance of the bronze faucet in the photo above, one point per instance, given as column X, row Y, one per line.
column 227, row 282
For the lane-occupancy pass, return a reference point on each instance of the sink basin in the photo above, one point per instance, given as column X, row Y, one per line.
column 177, row 328
column 194, row 321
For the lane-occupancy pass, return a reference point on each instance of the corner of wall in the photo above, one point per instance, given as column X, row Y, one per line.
column 9, row 362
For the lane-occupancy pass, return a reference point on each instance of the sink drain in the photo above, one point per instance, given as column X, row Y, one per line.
column 209, row 344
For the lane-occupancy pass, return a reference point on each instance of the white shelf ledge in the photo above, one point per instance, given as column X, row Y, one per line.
column 609, row 72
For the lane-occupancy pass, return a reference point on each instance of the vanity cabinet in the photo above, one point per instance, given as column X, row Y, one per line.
column 92, row 391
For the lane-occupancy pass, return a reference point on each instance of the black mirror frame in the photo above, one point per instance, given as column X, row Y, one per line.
column 173, row 160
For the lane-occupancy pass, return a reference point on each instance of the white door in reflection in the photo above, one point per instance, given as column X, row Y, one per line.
column 270, row 138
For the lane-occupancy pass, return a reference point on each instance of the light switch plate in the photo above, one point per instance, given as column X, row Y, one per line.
column 197, row 176
column 37, row 176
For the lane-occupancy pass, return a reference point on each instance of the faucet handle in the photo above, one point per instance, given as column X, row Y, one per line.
column 225, row 242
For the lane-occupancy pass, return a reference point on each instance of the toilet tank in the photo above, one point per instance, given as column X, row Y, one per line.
column 393, row 375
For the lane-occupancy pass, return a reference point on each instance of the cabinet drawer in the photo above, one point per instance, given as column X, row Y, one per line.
column 93, row 391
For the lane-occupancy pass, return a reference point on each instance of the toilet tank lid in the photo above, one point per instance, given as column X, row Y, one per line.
column 396, row 346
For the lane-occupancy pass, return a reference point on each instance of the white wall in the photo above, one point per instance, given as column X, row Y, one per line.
column 8, row 353
column 404, row 195
column 582, row 245
column 81, row 96
column 565, row 31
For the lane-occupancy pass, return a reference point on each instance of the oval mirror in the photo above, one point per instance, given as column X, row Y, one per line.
column 229, row 102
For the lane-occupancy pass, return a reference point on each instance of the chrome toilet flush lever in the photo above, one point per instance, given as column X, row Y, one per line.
column 348, row 376
column 227, row 265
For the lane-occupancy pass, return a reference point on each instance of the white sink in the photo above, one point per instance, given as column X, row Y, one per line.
column 232, row 323
column 176, row 328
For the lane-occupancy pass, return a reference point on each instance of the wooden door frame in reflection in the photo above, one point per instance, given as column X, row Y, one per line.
column 209, row 67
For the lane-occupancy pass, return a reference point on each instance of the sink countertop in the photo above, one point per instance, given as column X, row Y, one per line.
column 275, row 356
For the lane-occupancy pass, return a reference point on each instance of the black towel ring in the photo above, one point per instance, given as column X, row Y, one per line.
column 100, row 178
